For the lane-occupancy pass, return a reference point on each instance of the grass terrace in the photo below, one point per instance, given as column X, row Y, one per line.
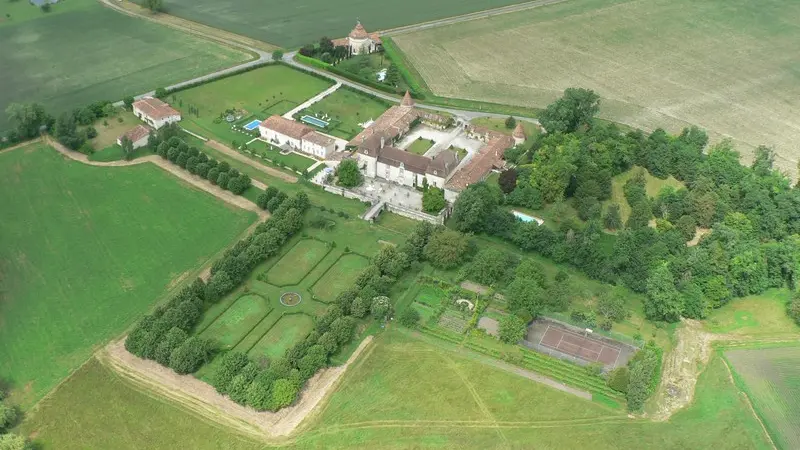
column 257, row 94
column 346, row 109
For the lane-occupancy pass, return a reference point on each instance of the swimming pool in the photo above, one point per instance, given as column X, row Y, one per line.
column 314, row 121
column 252, row 125
column 526, row 218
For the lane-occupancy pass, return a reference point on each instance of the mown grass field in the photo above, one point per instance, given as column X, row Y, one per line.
column 85, row 251
column 257, row 94
column 411, row 393
column 347, row 109
column 289, row 329
column 771, row 378
column 757, row 316
column 238, row 320
column 653, row 187
column 650, row 62
column 420, row 146
column 291, row 25
column 340, row 276
column 296, row 264
column 81, row 52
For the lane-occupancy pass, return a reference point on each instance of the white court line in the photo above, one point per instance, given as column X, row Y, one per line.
column 543, row 335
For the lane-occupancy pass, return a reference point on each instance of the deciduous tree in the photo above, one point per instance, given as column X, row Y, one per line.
column 511, row 329
column 349, row 174
column 447, row 248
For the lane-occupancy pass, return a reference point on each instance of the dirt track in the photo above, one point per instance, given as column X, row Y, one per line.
column 203, row 399
column 195, row 181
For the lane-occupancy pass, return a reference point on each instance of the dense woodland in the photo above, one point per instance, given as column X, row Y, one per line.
column 753, row 213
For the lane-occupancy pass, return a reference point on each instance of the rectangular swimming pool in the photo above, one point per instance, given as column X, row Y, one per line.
column 314, row 121
column 252, row 125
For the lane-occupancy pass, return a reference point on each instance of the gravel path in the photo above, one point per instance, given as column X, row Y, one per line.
column 203, row 399
column 195, row 181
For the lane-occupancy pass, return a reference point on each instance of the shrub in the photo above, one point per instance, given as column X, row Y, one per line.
column 794, row 310
column 409, row 318
column 192, row 354
column 618, row 379
column 512, row 329
column 8, row 416
column 380, row 307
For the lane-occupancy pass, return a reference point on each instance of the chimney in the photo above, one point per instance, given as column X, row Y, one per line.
column 382, row 141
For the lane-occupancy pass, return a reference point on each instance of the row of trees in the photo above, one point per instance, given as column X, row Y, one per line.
column 172, row 148
column 277, row 384
column 164, row 335
column 754, row 212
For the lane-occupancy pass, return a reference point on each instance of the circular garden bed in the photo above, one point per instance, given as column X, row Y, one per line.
column 290, row 299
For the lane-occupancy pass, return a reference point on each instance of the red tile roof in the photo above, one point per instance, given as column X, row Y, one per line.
column 519, row 132
column 488, row 157
column 407, row 100
column 136, row 133
column 286, row 127
column 359, row 32
column 155, row 108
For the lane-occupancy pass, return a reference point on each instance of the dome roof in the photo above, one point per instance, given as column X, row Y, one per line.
column 359, row 32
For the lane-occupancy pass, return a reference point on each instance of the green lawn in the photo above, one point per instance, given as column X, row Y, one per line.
column 531, row 130
column 107, row 411
column 346, row 109
column 771, row 378
column 291, row 25
column 410, row 393
column 653, row 187
column 298, row 262
column 340, row 276
column 294, row 161
column 86, row 251
column 81, row 52
column 238, row 320
column 256, row 94
column 290, row 329
column 420, row 146
column 756, row 316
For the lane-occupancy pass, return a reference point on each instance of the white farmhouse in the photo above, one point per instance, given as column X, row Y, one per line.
column 283, row 132
column 138, row 135
column 155, row 112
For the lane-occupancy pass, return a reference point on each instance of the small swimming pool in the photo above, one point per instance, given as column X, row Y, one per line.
column 252, row 125
column 314, row 121
column 526, row 218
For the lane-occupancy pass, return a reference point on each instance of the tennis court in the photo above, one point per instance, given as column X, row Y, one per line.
column 252, row 125
column 571, row 343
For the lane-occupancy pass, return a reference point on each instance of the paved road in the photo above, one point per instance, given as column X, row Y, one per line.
column 262, row 55
column 289, row 59
column 464, row 115
column 467, row 17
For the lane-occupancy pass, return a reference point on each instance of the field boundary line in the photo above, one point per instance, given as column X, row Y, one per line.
column 186, row 177
column 747, row 400
column 201, row 398
column 475, row 395
column 269, row 171
column 468, row 17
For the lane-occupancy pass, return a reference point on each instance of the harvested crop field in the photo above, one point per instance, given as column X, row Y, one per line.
column 728, row 66
column 771, row 378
